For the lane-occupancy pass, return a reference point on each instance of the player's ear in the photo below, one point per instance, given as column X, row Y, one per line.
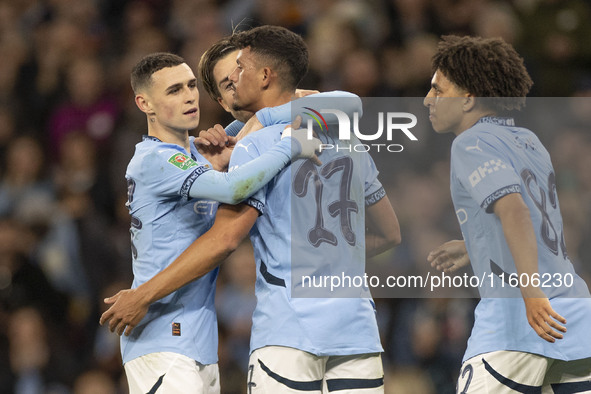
column 143, row 104
column 469, row 102
column 266, row 75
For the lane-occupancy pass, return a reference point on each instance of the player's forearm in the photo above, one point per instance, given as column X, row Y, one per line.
column 234, row 128
column 241, row 183
column 519, row 234
column 383, row 229
column 232, row 224
column 376, row 244
column 198, row 259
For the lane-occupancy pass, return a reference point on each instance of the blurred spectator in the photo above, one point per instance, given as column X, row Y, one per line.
column 408, row 380
column 556, row 44
column 78, row 171
column 236, row 302
column 38, row 367
column 88, row 108
column 105, row 354
column 7, row 132
column 22, row 283
column 94, row 382
column 25, row 175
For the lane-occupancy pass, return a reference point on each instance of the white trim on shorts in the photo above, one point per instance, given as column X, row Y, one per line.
column 279, row 369
column 168, row 372
column 506, row 371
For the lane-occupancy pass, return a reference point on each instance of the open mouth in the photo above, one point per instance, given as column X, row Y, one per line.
column 191, row 111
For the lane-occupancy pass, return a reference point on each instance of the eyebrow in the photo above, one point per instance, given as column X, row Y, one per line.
column 223, row 81
column 180, row 85
column 175, row 86
column 434, row 85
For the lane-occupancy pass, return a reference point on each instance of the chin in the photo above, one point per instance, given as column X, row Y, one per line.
column 193, row 124
column 440, row 130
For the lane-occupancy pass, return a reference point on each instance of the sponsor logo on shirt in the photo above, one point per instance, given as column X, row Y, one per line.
column 176, row 329
column 483, row 170
column 205, row 207
column 182, row 161
column 502, row 192
column 525, row 143
column 462, row 215
column 241, row 145
column 474, row 147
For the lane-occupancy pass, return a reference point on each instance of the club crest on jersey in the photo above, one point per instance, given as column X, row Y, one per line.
column 182, row 161
column 487, row 168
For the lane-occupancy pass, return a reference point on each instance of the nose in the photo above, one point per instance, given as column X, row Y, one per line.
column 233, row 77
column 191, row 95
column 428, row 100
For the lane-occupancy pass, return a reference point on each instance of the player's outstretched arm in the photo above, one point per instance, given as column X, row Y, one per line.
column 242, row 182
column 232, row 224
column 383, row 230
column 449, row 257
column 345, row 102
column 519, row 234
column 241, row 129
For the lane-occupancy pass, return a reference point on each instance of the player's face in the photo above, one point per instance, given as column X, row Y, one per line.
column 446, row 102
column 221, row 72
column 247, row 78
column 173, row 98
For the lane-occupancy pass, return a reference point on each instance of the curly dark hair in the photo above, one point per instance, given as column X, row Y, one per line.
column 280, row 48
column 485, row 67
column 208, row 60
column 142, row 72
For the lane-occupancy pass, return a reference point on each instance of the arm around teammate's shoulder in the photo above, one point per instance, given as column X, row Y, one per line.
column 231, row 225
column 242, row 182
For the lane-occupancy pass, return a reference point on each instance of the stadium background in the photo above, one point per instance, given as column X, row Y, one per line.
column 68, row 125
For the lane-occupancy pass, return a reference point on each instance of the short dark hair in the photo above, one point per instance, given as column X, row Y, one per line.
column 285, row 51
column 208, row 61
column 142, row 72
column 484, row 67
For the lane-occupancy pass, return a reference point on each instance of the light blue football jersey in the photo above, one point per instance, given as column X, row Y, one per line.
column 488, row 161
column 322, row 326
column 165, row 221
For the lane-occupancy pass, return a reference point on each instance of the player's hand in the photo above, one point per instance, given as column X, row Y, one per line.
column 126, row 311
column 540, row 315
column 449, row 257
column 303, row 93
column 214, row 136
column 216, row 146
column 305, row 148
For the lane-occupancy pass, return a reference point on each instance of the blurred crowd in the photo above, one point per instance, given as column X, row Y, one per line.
column 68, row 126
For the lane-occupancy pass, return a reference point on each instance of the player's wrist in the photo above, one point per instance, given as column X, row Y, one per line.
column 303, row 145
column 144, row 294
column 532, row 291
column 294, row 145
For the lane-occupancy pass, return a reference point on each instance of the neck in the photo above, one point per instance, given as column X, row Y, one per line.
column 471, row 118
column 271, row 98
column 169, row 135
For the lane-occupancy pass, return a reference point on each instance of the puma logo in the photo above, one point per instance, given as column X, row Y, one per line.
column 243, row 146
column 474, row 147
